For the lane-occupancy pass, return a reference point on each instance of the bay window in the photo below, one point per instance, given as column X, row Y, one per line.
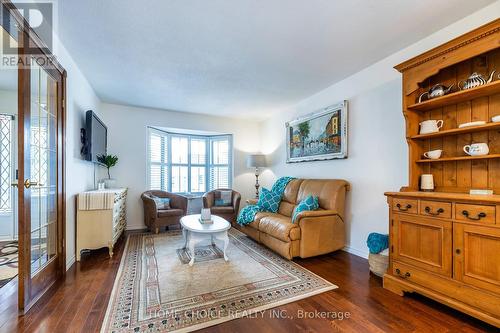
column 187, row 163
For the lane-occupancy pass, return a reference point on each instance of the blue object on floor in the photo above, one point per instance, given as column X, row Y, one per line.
column 377, row 242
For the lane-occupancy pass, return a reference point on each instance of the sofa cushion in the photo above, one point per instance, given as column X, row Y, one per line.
column 331, row 193
column 269, row 201
column 258, row 217
column 280, row 227
column 170, row 212
column 254, row 225
column 289, row 199
column 292, row 190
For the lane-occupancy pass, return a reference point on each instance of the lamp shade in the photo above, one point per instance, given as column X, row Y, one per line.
column 256, row 161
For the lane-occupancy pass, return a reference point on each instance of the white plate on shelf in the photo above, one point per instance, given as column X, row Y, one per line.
column 473, row 123
column 496, row 119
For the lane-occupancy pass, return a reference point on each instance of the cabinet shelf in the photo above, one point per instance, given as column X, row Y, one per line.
column 460, row 158
column 457, row 131
column 457, row 97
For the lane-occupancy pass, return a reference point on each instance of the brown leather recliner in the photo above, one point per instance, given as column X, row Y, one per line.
column 314, row 232
column 227, row 212
column 155, row 218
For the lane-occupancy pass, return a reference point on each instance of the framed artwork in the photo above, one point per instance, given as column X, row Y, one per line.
column 321, row 135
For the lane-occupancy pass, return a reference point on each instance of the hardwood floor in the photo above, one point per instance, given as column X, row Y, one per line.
column 78, row 303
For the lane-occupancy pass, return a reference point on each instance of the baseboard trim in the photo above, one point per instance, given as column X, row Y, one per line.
column 70, row 262
column 356, row 252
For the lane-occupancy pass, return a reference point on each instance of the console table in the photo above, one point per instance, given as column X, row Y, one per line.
column 100, row 219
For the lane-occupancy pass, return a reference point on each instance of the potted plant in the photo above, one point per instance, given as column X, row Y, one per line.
column 108, row 161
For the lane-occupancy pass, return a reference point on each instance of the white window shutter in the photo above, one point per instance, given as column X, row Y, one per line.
column 188, row 163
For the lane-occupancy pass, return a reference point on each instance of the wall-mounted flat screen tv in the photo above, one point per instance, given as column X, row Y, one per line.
column 96, row 137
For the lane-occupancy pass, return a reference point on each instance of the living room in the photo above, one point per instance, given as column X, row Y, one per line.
column 241, row 166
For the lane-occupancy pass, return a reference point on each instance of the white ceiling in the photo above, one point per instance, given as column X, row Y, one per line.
column 240, row 58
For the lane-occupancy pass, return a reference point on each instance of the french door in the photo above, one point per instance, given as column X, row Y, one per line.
column 41, row 171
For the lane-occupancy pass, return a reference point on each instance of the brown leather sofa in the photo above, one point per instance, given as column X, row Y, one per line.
column 314, row 232
column 155, row 218
column 228, row 212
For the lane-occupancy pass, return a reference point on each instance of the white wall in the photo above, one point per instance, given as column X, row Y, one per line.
column 377, row 148
column 80, row 97
column 127, row 138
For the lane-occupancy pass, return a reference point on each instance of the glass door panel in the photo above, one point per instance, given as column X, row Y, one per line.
column 43, row 166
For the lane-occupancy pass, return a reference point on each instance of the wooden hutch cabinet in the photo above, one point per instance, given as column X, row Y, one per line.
column 445, row 244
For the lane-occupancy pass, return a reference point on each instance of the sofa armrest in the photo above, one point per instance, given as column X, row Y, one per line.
column 236, row 201
column 177, row 201
column 149, row 202
column 316, row 213
column 150, row 209
column 321, row 232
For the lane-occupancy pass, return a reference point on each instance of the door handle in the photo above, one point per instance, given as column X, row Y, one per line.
column 28, row 184
column 14, row 184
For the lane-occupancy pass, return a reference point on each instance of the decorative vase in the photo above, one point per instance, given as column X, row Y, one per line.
column 110, row 183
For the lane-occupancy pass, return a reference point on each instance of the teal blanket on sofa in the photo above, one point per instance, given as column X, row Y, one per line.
column 247, row 214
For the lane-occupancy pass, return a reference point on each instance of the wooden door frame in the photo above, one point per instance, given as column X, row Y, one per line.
column 28, row 37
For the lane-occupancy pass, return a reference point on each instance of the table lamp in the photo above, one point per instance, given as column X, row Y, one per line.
column 256, row 161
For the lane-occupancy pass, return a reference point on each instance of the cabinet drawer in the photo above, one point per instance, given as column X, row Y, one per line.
column 405, row 205
column 435, row 209
column 475, row 213
column 415, row 275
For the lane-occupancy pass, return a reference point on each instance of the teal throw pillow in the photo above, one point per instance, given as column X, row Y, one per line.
column 309, row 203
column 162, row 203
column 269, row 201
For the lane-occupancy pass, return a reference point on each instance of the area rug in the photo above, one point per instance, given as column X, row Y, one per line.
column 157, row 291
column 8, row 261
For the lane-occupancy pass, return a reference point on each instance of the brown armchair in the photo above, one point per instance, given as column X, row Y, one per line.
column 155, row 218
column 228, row 212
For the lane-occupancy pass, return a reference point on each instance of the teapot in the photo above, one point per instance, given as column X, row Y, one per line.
column 475, row 80
column 437, row 90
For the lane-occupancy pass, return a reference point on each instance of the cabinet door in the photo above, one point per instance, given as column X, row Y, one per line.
column 423, row 242
column 477, row 256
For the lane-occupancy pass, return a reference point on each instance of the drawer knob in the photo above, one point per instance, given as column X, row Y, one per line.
column 477, row 218
column 403, row 209
column 457, row 251
column 430, row 212
column 404, row 276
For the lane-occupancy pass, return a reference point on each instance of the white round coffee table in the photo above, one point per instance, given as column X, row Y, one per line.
column 194, row 232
